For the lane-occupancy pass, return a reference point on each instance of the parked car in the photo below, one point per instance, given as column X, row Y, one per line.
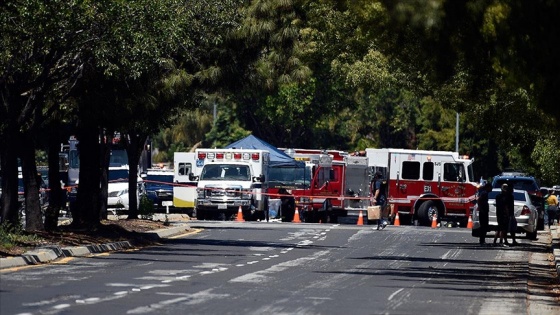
column 528, row 183
column 117, row 192
column 525, row 212
column 158, row 186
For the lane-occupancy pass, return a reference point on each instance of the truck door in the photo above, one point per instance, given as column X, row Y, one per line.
column 184, row 184
column 453, row 180
column 405, row 176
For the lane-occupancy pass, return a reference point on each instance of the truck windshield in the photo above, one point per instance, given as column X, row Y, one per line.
column 118, row 175
column 454, row 172
column 226, row 172
column 289, row 177
column 159, row 179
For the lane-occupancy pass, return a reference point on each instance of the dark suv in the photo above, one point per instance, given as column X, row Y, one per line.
column 523, row 181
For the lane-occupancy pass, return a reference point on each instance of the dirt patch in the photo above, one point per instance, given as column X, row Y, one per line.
column 109, row 231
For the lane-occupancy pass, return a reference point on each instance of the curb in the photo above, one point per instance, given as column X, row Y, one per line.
column 51, row 253
column 555, row 245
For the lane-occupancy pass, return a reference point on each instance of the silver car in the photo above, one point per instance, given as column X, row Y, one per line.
column 525, row 213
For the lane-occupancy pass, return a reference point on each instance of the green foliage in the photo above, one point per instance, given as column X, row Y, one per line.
column 226, row 129
column 548, row 160
column 145, row 208
column 11, row 235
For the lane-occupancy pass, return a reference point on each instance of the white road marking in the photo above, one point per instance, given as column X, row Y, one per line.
column 394, row 293
column 185, row 299
column 262, row 275
column 61, row 306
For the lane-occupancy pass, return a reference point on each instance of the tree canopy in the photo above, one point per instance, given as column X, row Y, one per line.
column 297, row 73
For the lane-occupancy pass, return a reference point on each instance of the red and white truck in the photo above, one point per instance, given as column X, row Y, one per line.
column 421, row 184
column 338, row 185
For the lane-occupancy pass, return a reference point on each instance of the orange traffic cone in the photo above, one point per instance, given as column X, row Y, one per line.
column 239, row 215
column 434, row 222
column 296, row 216
column 361, row 218
column 397, row 220
column 470, row 223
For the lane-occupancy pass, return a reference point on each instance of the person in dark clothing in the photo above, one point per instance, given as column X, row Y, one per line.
column 287, row 206
column 483, row 209
column 379, row 196
column 510, row 205
column 502, row 216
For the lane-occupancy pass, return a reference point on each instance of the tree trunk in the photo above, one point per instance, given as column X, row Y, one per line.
column 86, row 214
column 105, row 148
column 8, row 160
column 134, row 149
column 31, row 183
column 57, row 195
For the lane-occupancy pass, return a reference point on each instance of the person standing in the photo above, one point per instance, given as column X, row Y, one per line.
column 551, row 207
column 512, row 222
column 501, row 216
column 380, row 198
column 483, row 210
column 287, row 205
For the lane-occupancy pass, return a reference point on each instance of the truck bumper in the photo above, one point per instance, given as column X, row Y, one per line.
column 209, row 205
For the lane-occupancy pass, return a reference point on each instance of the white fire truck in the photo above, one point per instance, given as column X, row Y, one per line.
column 421, row 184
column 229, row 179
column 339, row 185
column 184, row 181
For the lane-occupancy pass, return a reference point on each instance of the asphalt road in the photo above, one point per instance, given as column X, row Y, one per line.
column 282, row 268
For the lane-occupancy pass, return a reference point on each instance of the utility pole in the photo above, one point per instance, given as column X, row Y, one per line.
column 457, row 134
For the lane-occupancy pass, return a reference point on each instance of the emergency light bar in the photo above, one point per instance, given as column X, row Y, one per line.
column 229, row 156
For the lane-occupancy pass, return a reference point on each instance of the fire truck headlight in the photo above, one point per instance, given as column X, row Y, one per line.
column 246, row 194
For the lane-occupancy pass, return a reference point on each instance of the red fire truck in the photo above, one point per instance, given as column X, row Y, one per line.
column 338, row 185
column 421, row 184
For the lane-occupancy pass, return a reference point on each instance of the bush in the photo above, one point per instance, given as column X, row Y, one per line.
column 12, row 235
column 146, row 208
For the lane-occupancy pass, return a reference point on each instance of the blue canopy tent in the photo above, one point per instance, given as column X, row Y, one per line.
column 277, row 157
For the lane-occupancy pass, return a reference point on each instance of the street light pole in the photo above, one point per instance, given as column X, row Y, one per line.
column 457, row 134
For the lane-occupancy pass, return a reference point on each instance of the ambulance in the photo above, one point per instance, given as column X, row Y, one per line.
column 231, row 180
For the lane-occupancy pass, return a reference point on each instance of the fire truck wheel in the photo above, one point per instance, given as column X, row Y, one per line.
column 427, row 211
column 323, row 217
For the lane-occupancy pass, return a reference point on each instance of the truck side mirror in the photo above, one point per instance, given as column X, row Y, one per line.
column 260, row 178
column 192, row 177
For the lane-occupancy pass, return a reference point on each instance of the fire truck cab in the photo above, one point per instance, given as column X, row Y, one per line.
column 421, row 184
column 230, row 179
column 339, row 185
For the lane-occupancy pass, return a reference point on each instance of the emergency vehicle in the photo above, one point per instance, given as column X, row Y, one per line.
column 184, row 181
column 230, row 179
column 338, row 185
column 421, row 184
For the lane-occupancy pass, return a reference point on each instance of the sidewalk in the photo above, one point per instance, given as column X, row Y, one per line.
column 51, row 253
